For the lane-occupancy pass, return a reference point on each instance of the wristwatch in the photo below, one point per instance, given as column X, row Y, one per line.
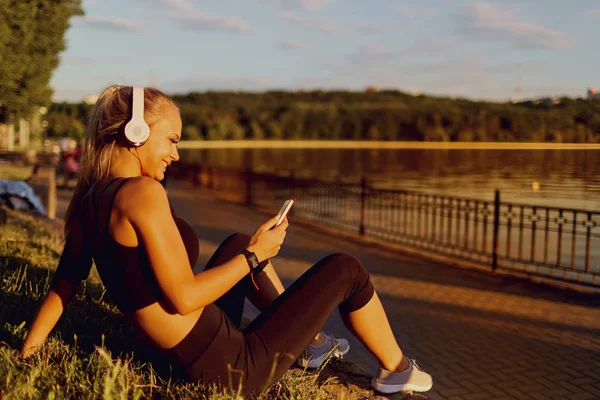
column 255, row 266
column 251, row 259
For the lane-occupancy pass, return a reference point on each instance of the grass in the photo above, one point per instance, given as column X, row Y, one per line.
column 15, row 172
column 91, row 353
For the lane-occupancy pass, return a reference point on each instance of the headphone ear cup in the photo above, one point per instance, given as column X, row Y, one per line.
column 137, row 132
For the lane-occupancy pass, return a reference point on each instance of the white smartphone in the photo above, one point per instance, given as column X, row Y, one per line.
column 283, row 212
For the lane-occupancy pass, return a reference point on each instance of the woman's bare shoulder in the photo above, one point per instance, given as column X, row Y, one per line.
column 141, row 193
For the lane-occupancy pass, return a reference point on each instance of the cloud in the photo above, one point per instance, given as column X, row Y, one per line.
column 458, row 75
column 110, row 23
column 426, row 46
column 202, row 22
column 186, row 14
column 179, row 5
column 290, row 45
column 73, row 60
column 483, row 20
column 287, row 5
column 371, row 29
column 70, row 94
column 414, row 12
column 592, row 14
column 229, row 83
column 435, row 65
column 402, row 11
column 313, row 23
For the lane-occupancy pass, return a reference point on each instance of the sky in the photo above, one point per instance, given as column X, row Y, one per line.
column 483, row 50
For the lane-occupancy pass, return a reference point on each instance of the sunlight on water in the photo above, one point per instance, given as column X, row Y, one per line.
column 559, row 178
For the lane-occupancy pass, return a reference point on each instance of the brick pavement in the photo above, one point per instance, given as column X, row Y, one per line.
column 481, row 336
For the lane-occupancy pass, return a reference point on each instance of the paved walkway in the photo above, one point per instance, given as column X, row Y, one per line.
column 481, row 336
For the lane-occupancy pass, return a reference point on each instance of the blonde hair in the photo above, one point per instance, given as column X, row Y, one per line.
column 105, row 129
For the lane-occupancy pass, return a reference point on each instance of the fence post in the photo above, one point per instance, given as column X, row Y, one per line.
column 496, row 229
column 363, row 199
column 248, row 186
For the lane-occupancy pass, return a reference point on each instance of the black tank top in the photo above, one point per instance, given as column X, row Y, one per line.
column 125, row 271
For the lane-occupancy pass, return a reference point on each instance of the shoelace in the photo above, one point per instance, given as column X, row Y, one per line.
column 334, row 343
column 414, row 362
column 328, row 337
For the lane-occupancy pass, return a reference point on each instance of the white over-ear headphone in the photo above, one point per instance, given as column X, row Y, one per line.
column 137, row 130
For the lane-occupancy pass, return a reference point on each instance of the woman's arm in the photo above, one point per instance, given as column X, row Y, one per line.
column 48, row 314
column 74, row 266
column 145, row 204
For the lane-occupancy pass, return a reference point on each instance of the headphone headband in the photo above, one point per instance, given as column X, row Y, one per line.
column 138, row 102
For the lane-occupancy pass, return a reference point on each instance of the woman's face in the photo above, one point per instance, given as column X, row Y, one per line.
column 161, row 148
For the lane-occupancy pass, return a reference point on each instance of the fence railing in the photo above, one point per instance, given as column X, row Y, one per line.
column 551, row 242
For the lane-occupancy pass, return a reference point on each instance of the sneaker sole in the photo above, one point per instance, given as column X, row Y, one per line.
column 387, row 389
column 316, row 362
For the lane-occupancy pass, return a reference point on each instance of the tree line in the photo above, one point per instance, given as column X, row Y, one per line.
column 31, row 40
column 384, row 115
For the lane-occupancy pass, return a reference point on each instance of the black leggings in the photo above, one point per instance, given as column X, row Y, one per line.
column 218, row 351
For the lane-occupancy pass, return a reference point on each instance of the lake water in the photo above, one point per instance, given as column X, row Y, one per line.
column 561, row 178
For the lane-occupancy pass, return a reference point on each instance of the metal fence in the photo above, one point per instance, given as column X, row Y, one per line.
column 557, row 243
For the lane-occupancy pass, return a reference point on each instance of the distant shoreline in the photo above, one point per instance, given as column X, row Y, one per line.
column 358, row 144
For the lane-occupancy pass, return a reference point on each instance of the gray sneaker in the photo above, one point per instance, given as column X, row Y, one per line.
column 315, row 355
column 413, row 379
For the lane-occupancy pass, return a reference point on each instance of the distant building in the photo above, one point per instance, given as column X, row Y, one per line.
column 592, row 93
column 371, row 89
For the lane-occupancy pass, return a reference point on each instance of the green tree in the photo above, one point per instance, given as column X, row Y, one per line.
column 386, row 115
column 465, row 135
column 16, row 20
column 256, row 132
column 274, row 130
column 386, row 124
column 76, row 129
column 235, row 130
column 191, row 114
column 191, row 132
column 32, row 38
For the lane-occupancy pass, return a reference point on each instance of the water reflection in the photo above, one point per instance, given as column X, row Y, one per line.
column 566, row 178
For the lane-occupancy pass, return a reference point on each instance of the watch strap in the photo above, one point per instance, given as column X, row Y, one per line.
column 250, row 259
column 260, row 267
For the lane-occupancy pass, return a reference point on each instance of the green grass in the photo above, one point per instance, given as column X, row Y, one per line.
column 91, row 353
column 15, row 172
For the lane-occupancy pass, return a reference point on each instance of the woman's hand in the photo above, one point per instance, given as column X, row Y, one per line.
column 266, row 242
column 28, row 349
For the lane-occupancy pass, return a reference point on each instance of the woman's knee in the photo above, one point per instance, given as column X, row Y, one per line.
column 343, row 264
column 237, row 241
column 229, row 248
column 355, row 278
